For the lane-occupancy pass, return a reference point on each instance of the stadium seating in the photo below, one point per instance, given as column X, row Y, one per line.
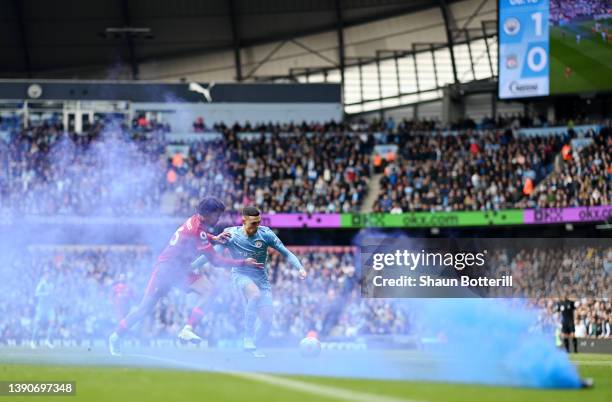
column 494, row 170
column 332, row 305
column 314, row 168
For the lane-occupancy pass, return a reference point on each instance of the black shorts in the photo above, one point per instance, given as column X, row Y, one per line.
column 567, row 328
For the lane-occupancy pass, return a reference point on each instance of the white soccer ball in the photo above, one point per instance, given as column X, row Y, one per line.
column 310, row 347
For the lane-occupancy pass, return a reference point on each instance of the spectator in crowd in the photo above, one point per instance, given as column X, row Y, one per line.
column 495, row 170
column 113, row 170
column 332, row 305
column 87, row 298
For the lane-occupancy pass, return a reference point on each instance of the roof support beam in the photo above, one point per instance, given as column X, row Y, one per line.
column 486, row 39
column 340, row 34
column 474, row 14
column 449, row 36
column 265, row 59
column 235, row 39
column 22, row 33
column 316, row 53
column 469, row 46
column 125, row 13
column 245, row 42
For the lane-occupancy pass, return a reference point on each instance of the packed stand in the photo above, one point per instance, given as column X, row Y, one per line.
column 592, row 317
column 305, row 173
column 547, row 271
column 494, row 170
column 548, row 275
column 105, row 172
column 583, row 178
column 96, row 286
column 87, row 299
column 127, row 171
column 110, row 172
column 567, row 11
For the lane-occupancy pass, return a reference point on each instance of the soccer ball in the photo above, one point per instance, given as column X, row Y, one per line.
column 310, row 347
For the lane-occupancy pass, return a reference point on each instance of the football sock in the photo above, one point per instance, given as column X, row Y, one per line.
column 263, row 327
column 196, row 316
column 250, row 316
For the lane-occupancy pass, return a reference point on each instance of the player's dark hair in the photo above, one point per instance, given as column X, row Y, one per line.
column 250, row 211
column 209, row 205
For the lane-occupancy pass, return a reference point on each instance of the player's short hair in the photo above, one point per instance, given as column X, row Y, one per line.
column 251, row 211
column 209, row 205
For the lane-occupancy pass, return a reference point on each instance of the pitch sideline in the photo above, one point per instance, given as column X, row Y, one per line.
column 295, row 385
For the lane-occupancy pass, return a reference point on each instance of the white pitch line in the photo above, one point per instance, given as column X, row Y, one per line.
column 592, row 363
column 295, row 385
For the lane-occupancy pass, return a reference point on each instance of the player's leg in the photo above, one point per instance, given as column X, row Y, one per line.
column 50, row 327
column 157, row 287
column 201, row 285
column 35, row 328
column 574, row 342
column 571, row 334
column 146, row 305
column 142, row 310
column 265, row 316
column 251, row 294
column 122, row 308
column 565, row 336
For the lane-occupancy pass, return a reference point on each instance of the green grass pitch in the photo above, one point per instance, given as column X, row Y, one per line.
column 590, row 60
column 111, row 383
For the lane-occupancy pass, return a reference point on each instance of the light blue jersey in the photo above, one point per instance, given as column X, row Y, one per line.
column 242, row 246
column 44, row 300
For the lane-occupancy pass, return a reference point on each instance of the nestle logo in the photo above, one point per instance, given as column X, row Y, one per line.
column 549, row 215
column 517, row 88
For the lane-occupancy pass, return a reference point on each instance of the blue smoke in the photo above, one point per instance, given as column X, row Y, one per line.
column 484, row 341
column 492, row 341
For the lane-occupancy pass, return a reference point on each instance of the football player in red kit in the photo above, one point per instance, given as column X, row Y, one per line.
column 122, row 297
column 173, row 266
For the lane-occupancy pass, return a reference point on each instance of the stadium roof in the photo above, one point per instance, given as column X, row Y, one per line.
column 60, row 35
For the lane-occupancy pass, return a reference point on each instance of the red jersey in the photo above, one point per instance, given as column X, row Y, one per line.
column 189, row 242
column 121, row 292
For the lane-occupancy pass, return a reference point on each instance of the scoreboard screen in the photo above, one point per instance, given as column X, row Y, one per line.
column 550, row 47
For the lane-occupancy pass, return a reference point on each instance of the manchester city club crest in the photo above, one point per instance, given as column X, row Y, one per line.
column 258, row 243
column 512, row 26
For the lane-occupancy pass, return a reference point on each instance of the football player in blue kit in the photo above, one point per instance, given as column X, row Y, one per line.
column 251, row 240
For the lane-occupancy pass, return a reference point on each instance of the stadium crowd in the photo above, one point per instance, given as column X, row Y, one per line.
column 494, row 170
column 390, row 125
column 592, row 318
column 86, row 296
column 583, row 179
column 111, row 172
column 567, row 11
column 47, row 171
column 121, row 171
column 305, row 173
column 547, row 275
column 560, row 269
column 88, row 299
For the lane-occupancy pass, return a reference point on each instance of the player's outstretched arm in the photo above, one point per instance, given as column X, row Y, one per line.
column 199, row 262
column 222, row 238
column 219, row 261
column 278, row 245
